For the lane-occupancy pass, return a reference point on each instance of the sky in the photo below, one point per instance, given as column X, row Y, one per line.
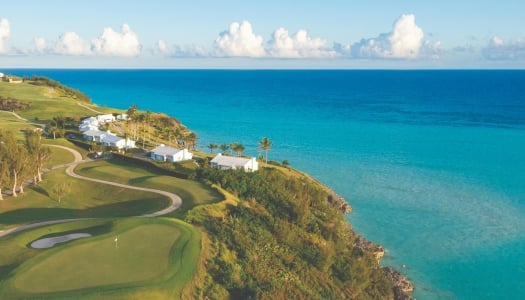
column 345, row 34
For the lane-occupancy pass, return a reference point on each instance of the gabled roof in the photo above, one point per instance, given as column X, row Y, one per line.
column 165, row 150
column 95, row 132
column 224, row 160
column 111, row 139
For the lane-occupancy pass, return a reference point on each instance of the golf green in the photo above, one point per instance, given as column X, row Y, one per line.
column 139, row 254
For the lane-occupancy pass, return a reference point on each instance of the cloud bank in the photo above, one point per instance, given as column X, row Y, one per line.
column 405, row 41
column 299, row 45
column 5, row 34
column 109, row 43
column 239, row 41
column 498, row 49
column 113, row 43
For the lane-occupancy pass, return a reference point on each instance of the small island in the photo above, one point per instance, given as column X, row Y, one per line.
column 214, row 225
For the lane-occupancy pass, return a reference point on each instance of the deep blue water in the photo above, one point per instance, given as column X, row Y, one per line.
column 433, row 162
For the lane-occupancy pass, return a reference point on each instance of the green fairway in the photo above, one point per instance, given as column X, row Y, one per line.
column 85, row 199
column 152, row 257
column 192, row 192
column 46, row 102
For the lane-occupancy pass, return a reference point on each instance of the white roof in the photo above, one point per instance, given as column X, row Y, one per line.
column 95, row 132
column 223, row 160
column 165, row 150
column 111, row 139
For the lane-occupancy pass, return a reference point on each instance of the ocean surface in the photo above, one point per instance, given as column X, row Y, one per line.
column 433, row 162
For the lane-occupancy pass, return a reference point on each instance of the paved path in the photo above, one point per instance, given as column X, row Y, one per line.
column 176, row 201
column 89, row 108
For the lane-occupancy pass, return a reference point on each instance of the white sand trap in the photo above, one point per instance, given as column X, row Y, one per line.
column 50, row 242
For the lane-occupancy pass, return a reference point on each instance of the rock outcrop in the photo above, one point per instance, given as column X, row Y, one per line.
column 402, row 286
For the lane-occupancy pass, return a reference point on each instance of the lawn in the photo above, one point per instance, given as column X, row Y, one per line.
column 193, row 193
column 85, row 199
column 141, row 265
column 46, row 103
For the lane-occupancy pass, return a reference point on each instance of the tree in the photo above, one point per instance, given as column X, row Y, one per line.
column 53, row 129
column 132, row 110
column 224, row 148
column 212, row 147
column 4, row 169
column 60, row 190
column 190, row 141
column 15, row 157
column 238, row 148
column 265, row 144
column 38, row 153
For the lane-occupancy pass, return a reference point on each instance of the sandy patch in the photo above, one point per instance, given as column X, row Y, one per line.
column 52, row 241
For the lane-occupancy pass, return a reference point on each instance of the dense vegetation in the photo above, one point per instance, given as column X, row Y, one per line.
column 283, row 240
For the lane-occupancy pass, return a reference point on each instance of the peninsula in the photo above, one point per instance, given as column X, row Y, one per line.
column 211, row 225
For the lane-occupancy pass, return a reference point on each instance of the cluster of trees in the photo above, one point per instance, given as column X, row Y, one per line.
column 284, row 240
column 13, row 104
column 20, row 162
column 264, row 144
column 144, row 125
column 62, row 89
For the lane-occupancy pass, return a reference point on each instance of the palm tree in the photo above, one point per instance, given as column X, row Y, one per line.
column 265, row 144
column 224, row 148
column 238, row 147
column 212, row 147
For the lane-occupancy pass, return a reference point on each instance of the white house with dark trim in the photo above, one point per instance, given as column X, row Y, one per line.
column 166, row 153
column 225, row 162
column 117, row 141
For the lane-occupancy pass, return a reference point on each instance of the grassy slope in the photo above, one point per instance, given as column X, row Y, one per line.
column 46, row 103
column 180, row 242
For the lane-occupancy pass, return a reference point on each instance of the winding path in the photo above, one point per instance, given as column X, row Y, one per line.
column 176, row 201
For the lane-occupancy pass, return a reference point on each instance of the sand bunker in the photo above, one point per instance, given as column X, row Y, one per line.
column 50, row 242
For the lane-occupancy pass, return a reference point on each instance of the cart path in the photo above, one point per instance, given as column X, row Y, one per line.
column 176, row 201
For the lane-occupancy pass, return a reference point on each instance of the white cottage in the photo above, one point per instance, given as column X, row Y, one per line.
column 106, row 118
column 165, row 153
column 94, row 135
column 90, row 123
column 118, row 142
column 224, row 162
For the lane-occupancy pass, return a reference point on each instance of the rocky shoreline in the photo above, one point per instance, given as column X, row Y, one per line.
column 401, row 285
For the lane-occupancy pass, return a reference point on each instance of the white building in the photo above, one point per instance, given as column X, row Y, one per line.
column 122, row 117
column 165, row 153
column 106, row 118
column 94, row 135
column 90, row 123
column 118, row 142
column 224, row 162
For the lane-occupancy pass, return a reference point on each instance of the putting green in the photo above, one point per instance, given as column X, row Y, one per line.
column 142, row 253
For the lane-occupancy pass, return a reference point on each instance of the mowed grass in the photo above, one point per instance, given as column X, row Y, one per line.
column 153, row 258
column 46, row 103
column 193, row 193
column 85, row 199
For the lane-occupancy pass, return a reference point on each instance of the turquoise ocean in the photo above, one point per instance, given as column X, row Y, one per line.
column 432, row 162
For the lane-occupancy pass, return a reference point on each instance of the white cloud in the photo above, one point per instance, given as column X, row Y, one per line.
column 405, row 41
column 70, row 43
column 5, row 34
column 40, row 45
column 299, row 45
column 162, row 47
column 113, row 43
column 240, row 41
column 498, row 49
